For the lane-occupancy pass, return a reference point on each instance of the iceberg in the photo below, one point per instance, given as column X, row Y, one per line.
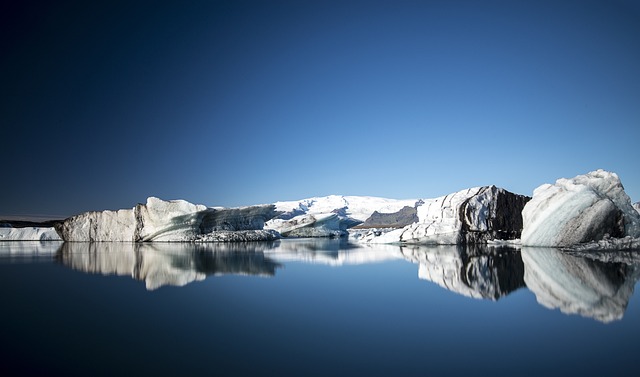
column 29, row 234
column 583, row 209
column 471, row 216
column 170, row 221
column 577, row 285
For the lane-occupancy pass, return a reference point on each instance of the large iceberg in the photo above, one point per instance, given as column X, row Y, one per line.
column 175, row 221
column 475, row 215
column 586, row 208
column 29, row 234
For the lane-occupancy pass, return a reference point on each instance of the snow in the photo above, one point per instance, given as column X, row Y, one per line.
column 356, row 207
column 582, row 209
column 29, row 234
column 329, row 216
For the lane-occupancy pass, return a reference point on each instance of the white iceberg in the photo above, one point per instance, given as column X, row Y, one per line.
column 583, row 209
column 29, row 234
column 475, row 215
column 169, row 221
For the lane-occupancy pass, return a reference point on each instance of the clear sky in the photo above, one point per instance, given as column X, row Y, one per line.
column 245, row 102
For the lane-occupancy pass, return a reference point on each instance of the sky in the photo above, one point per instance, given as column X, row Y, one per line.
column 230, row 103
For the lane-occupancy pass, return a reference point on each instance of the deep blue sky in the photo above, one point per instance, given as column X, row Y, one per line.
column 236, row 102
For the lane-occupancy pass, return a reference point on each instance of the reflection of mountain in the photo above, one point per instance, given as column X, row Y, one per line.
column 161, row 264
column 577, row 285
column 474, row 271
column 334, row 252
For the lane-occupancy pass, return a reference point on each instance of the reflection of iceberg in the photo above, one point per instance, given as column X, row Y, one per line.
column 334, row 252
column 577, row 285
column 168, row 264
column 478, row 271
column 28, row 249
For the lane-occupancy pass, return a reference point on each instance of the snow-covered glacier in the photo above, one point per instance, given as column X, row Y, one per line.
column 475, row 215
column 582, row 209
column 330, row 216
column 174, row 221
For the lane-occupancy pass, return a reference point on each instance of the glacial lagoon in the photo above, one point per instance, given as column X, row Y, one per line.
column 314, row 307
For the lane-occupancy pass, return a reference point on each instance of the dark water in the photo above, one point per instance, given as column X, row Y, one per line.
column 309, row 307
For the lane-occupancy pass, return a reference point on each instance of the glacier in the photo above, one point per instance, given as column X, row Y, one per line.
column 330, row 216
column 582, row 209
column 474, row 215
column 170, row 221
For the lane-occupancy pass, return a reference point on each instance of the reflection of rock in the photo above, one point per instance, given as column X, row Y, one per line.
column 479, row 271
column 577, row 285
column 175, row 220
column 168, row 263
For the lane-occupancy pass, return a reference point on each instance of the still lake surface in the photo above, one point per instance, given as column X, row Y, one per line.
column 313, row 307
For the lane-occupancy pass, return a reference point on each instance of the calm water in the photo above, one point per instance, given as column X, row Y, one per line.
column 309, row 307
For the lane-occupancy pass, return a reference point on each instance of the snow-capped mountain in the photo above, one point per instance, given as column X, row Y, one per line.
column 331, row 215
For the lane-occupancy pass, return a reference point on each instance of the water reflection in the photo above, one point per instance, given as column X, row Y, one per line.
column 596, row 285
column 176, row 264
column 473, row 271
column 333, row 252
column 578, row 285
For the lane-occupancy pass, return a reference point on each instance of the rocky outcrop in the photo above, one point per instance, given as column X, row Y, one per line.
column 405, row 216
column 577, row 285
column 474, row 271
column 471, row 216
column 586, row 208
column 173, row 221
